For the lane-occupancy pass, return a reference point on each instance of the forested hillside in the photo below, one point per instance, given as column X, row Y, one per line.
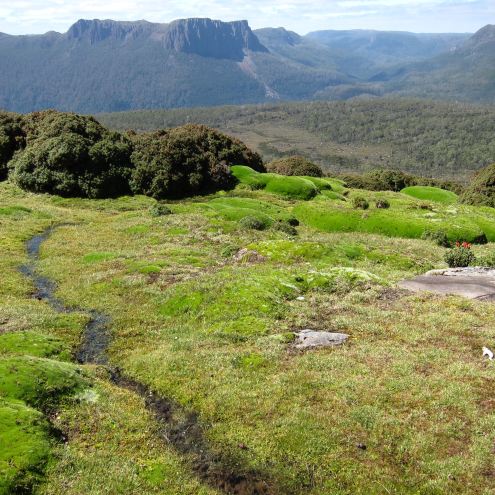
column 449, row 140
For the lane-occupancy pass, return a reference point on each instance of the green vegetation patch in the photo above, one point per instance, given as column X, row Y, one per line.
column 98, row 257
column 288, row 187
column 33, row 344
column 14, row 210
column 393, row 222
column 24, row 447
column 235, row 209
column 39, row 382
column 429, row 193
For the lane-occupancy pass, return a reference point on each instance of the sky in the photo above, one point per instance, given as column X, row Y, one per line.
column 302, row 16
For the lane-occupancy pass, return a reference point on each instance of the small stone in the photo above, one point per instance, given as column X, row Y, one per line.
column 248, row 256
column 307, row 339
column 300, row 298
column 242, row 446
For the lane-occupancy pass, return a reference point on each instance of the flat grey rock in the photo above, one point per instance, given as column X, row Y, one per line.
column 310, row 339
column 470, row 282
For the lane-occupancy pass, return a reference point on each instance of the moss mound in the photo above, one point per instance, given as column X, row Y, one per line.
column 392, row 222
column 429, row 193
column 294, row 165
column 33, row 344
column 481, row 190
column 24, row 447
column 289, row 187
column 39, row 382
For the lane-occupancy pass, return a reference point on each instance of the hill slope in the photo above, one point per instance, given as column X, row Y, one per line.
column 465, row 73
column 105, row 65
column 449, row 140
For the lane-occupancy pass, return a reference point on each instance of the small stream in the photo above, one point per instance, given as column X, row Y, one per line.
column 178, row 427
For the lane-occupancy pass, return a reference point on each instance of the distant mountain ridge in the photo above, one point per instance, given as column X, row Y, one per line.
column 106, row 65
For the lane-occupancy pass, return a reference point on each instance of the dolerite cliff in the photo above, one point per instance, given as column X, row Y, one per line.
column 216, row 39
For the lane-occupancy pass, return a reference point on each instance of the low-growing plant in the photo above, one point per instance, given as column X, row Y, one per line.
column 360, row 203
column 460, row 256
column 285, row 227
column 487, row 260
column 159, row 210
column 438, row 236
column 382, row 204
column 252, row 223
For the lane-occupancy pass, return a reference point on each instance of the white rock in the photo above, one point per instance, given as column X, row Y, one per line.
column 487, row 352
column 307, row 339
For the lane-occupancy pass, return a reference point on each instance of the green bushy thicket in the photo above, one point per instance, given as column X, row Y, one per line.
column 481, row 190
column 187, row 160
column 12, row 138
column 295, row 165
column 72, row 155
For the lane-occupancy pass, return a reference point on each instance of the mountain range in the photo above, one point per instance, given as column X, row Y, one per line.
column 105, row 65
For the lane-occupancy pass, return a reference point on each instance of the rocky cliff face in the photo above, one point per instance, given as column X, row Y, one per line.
column 215, row 39
column 204, row 37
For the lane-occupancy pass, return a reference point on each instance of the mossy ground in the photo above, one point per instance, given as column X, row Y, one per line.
column 428, row 193
column 213, row 334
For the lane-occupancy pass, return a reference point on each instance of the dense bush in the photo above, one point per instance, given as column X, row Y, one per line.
column 252, row 223
column 12, row 138
column 295, row 165
column 72, row 155
column 359, row 202
column 460, row 256
column 160, row 210
column 187, row 160
column 481, row 190
column 382, row 204
column 437, row 236
column 285, row 227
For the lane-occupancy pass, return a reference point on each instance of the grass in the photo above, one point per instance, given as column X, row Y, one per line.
column 214, row 335
column 428, row 193
column 405, row 218
column 288, row 187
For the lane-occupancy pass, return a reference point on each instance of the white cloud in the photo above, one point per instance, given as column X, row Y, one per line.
column 36, row 16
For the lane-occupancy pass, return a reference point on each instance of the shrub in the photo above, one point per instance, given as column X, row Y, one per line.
column 160, row 210
column 12, row 139
column 387, row 180
column 481, row 190
column 382, row 204
column 187, row 160
column 252, row 223
column 438, row 236
column 460, row 256
column 359, row 202
column 72, row 155
column 295, row 165
column 285, row 227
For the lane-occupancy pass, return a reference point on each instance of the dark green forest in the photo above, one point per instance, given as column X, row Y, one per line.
column 432, row 139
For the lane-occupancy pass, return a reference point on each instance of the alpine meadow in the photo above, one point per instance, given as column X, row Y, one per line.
column 245, row 261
